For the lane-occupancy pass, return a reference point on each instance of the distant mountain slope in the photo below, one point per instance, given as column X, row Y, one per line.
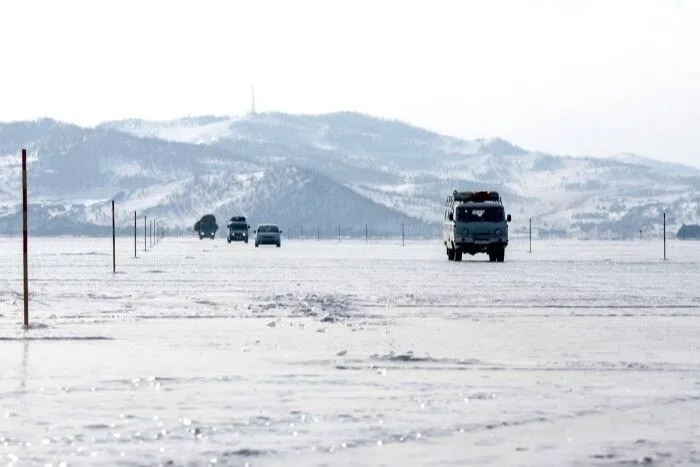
column 66, row 159
column 75, row 172
column 666, row 167
column 323, row 170
column 315, row 139
column 293, row 197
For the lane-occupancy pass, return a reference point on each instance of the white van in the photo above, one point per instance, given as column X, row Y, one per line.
column 267, row 234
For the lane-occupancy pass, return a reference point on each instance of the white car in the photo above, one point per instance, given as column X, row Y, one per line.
column 267, row 234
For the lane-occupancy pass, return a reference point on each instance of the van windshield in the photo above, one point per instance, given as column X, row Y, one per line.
column 238, row 226
column 480, row 214
column 268, row 228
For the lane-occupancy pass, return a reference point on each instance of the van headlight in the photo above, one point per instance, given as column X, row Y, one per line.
column 498, row 232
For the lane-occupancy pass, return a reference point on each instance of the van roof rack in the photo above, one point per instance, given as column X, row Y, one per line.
column 476, row 196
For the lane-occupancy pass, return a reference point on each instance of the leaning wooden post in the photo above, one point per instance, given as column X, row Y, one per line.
column 403, row 235
column 135, row 234
column 366, row 236
column 25, row 239
column 531, row 235
column 114, row 243
column 145, row 231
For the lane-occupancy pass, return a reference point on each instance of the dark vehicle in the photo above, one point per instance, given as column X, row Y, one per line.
column 206, row 226
column 475, row 222
column 237, row 229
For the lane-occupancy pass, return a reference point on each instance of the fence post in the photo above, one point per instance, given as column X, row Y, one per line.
column 366, row 235
column 664, row 235
column 530, row 235
column 135, row 234
column 145, row 230
column 25, row 239
column 318, row 233
column 338, row 233
column 403, row 235
column 114, row 243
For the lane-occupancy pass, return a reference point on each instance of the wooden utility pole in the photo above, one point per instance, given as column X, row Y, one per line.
column 25, row 238
column 114, row 243
column 664, row 235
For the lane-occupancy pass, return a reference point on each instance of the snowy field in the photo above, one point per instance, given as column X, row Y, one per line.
column 327, row 353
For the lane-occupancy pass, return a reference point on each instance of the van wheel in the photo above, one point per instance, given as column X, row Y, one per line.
column 256, row 245
column 458, row 254
column 493, row 254
column 500, row 254
column 278, row 245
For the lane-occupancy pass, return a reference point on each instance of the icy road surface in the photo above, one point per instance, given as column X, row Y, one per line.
column 327, row 353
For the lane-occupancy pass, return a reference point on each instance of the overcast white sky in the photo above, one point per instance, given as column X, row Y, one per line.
column 585, row 77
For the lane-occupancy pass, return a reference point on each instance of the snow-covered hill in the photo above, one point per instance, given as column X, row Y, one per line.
column 74, row 173
column 411, row 169
column 311, row 171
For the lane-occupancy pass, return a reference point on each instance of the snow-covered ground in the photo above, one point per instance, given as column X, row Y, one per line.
column 346, row 353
